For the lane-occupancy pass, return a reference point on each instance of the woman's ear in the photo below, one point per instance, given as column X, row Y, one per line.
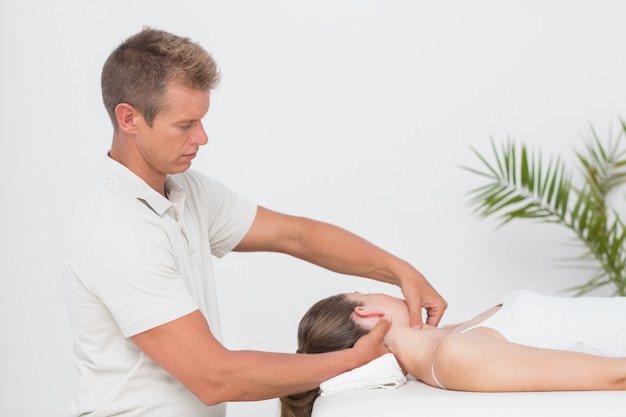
column 366, row 312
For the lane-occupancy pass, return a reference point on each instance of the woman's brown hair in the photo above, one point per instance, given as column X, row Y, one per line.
column 326, row 327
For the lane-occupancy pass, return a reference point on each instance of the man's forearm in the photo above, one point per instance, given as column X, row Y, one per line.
column 341, row 251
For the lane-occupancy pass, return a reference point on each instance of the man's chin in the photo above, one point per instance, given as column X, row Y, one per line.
column 180, row 168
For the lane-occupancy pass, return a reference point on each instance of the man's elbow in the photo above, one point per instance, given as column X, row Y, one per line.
column 217, row 392
column 212, row 396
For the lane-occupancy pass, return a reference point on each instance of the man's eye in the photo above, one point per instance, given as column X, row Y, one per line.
column 186, row 125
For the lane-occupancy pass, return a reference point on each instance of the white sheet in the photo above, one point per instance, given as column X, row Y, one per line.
column 418, row 399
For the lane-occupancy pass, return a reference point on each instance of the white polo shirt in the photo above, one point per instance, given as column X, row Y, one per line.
column 139, row 260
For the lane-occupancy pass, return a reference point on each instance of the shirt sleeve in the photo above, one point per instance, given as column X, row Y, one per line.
column 132, row 270
column 228, row 215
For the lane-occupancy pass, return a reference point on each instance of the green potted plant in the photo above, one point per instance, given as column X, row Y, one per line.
column 522, row 185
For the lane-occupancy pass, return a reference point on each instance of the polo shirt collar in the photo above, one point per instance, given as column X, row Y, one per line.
column 125, row 179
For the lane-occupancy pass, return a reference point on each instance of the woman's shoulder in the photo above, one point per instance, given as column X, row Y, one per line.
column 461, row 356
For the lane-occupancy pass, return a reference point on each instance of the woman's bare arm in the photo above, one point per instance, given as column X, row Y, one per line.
column 476, row 361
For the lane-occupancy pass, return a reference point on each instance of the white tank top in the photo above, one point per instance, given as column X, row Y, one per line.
column 594, row 325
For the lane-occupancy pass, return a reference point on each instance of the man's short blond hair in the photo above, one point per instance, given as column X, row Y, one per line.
column 140, row 69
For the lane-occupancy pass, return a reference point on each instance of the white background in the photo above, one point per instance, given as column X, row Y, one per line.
column 358, row 113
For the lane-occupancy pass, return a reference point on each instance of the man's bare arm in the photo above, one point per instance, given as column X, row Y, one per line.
column 187, row 349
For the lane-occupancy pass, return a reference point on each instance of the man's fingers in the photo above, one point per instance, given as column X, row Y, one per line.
column 416, row 321
column 435, row 313
column 379, row 331
column 419, row 294
column 381, row 328
column 433, row 319
column 415, row 316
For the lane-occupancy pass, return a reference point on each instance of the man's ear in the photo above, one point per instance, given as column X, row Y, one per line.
column 126, row 114
column 366, row 312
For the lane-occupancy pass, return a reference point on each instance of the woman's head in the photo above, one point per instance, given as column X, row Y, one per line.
column 373, row 307
column 336, row 323
column 326, row 327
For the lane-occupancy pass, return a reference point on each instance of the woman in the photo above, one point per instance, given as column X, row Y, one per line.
column 530, row 342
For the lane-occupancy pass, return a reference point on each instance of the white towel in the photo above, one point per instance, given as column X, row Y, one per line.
column 382, row 372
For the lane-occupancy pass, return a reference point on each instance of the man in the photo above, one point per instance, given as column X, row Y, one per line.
column 139, row 280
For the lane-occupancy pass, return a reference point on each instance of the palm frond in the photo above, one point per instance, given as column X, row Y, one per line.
column 520, row 186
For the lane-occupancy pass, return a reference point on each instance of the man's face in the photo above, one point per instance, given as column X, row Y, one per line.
column 169, row 146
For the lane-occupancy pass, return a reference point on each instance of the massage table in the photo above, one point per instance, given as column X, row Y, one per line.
column 418, row 399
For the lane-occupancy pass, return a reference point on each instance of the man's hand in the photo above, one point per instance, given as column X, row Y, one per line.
column 372, row 344
column 418, row 294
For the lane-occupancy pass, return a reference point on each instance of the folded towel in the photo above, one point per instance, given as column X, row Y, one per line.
column 382, row 372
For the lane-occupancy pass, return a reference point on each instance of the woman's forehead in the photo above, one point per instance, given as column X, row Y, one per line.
column 374, row 297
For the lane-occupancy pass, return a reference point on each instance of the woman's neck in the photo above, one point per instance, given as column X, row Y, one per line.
column 414, row 348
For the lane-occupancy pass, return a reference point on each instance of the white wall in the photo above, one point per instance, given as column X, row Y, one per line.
column 353, row 112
